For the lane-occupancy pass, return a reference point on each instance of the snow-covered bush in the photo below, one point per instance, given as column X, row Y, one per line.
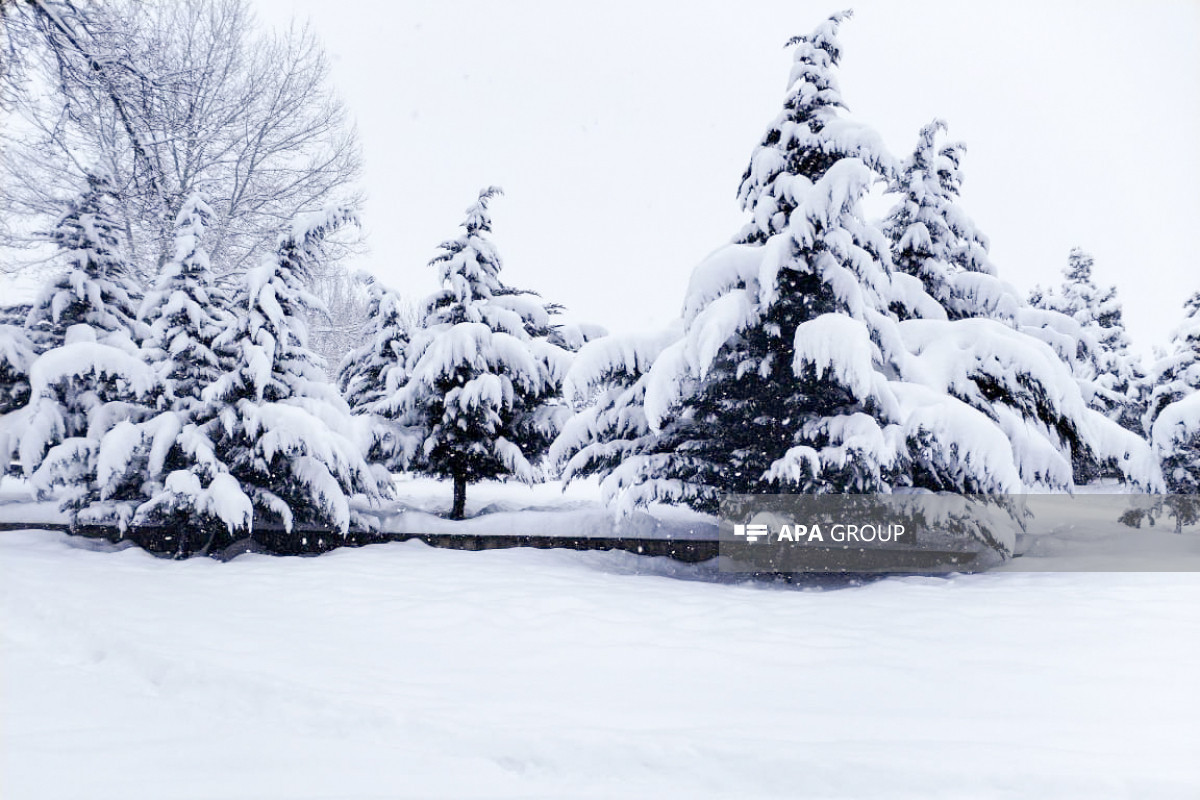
column 478, row 377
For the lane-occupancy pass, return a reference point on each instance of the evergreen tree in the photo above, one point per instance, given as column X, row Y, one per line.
column 793, row 371
column 283, row 431
column 373, row 372
column 934, row 241
column 477, row 380
column 90, row 376
column 163, row 469
column 95, row 289
column 187, row 311
column 362, row 375
column 1173, row 416
column 1109, row 373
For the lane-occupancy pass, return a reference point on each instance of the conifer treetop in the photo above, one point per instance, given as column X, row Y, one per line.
column 469, row 266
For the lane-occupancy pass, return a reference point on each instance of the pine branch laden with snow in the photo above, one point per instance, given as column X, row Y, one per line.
column 1173, row 414
column 278, row 426
column 481, row 375
column 606, row 384
column 17, row 354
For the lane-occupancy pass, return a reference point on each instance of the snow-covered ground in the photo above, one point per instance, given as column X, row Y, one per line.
column 403, row 671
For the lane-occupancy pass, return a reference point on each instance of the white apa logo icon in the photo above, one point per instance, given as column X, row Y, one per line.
column 751, row 532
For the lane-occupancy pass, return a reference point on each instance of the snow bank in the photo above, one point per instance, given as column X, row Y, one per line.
column 403, row 671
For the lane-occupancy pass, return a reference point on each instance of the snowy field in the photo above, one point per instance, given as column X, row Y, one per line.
column 403, row 671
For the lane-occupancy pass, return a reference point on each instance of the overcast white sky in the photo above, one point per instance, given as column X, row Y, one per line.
column 619, row 131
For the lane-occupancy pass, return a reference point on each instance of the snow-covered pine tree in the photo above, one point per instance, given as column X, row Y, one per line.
column 186, row 312
column 90, row 376
column 1109, row 373
column 607, row 385
column 1173, row 415
column 362, row 374
column 162, row 470
column 376, row 370
column 95, row 289
column 780, row 377
column 935, row 241
column 792, row 371
column 284, row 432
column 477, row 380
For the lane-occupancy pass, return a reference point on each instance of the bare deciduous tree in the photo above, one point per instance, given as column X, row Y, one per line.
column 167, row 98
column 346, row 319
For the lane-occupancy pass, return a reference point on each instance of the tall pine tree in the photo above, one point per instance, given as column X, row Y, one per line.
column 90, row 376
column 477, row 381
column 164, row 467
column 934, row 241
column 282, row 429
column 794, row 371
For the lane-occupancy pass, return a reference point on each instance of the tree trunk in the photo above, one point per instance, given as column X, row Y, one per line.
column 460, row 498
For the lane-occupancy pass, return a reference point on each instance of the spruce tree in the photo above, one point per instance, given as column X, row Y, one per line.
column 89, row 377
column 1173, row 415
column 476, row 379
column 374, row 371
column 934, row 241
column 163, row 469
column 794, row 370
column 281, row 428
column 1102, row 360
